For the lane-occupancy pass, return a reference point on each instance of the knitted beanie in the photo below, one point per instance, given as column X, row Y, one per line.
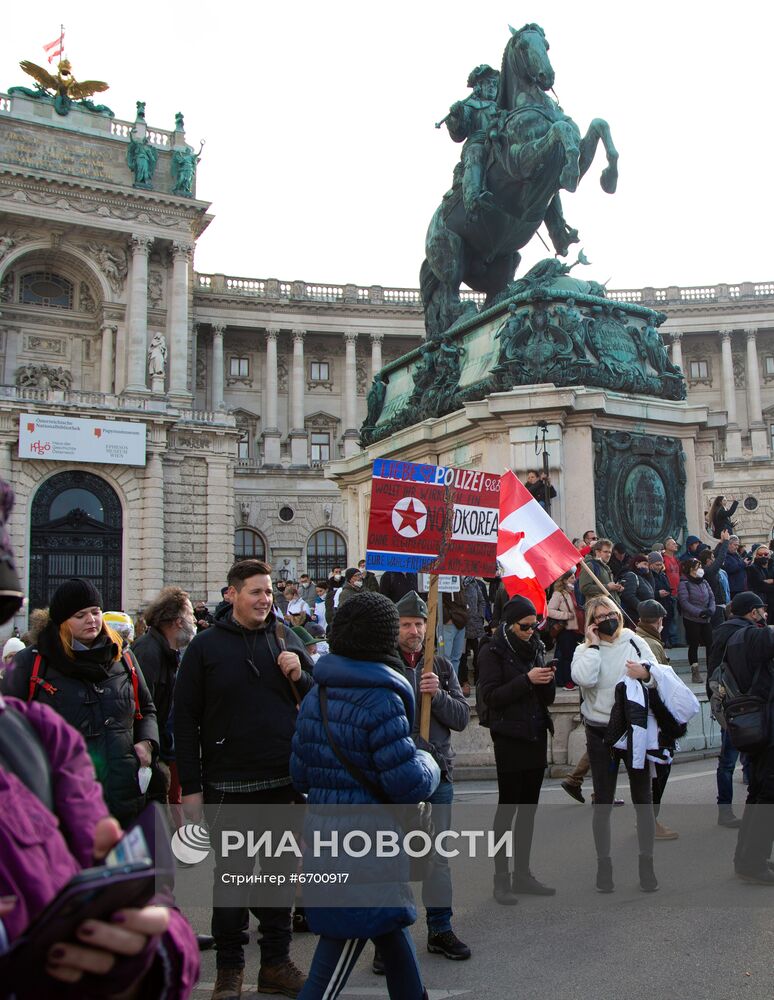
column 655, row 557
column 365, row 627
column 746, row 602
column 73, row 595
column 411, row 605
column 650, row 610
column 517, row 608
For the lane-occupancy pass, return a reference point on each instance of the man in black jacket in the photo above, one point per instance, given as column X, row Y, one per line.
column 235, row 715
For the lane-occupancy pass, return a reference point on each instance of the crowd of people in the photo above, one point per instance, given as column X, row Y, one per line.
column 310, row 690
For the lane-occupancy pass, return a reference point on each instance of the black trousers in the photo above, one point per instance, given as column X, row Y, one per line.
column 697, row 634
column 518, row 794
column 756, row 834
column 230, row 923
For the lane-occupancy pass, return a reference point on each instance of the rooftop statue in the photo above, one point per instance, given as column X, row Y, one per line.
column 520, row 151
column 66, row 89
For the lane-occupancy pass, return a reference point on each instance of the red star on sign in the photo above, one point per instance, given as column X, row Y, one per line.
column 409, row 517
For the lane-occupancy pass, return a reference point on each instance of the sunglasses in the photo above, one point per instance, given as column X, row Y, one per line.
column 530, row 627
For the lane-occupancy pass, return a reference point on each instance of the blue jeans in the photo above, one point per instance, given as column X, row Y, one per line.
column 439, row 884
column 334, row 960
column 727, row 760
column 453, row 645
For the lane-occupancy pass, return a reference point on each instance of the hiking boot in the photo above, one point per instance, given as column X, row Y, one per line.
column 574, row 791
column 377, row 966
column 285, row 978
column 648, row 880
column 763, row 877
column 695, row 674
column 727, row 818
column 502, row 890
column 527, row 883
column 605, row 875
column 228, row 984
column 447, row 943
column 664, row 833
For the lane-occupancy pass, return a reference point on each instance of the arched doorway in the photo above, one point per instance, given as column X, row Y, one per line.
column 324, row 550
column 76, row 531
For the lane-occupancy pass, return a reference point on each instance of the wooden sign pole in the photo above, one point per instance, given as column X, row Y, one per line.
column 429, row 654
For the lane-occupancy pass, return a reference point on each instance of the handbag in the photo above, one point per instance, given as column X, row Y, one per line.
column 417, row 816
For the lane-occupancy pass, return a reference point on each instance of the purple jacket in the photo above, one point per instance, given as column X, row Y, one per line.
column 694, row 597
column 40, row 851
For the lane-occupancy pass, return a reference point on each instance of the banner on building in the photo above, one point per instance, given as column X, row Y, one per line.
column 433, row 519
column 54, row 438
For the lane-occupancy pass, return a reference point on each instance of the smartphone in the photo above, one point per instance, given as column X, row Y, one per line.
column 132, row 873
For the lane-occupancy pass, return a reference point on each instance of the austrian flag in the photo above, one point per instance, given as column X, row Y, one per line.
column 532, row 550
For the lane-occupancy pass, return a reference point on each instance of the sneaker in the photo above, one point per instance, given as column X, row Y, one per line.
column 569, row 686
column 228, row 984
column 664, row 833
column 377, row 966
column 530, row 886
column 285, row 978
column 574, row 791
column 447, row 943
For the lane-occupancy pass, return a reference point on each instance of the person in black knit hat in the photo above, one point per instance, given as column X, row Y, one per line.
column 517, row 688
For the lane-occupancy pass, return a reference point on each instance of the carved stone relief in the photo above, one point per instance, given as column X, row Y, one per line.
column 49, row 345
column 113, row 263
column 43, row 377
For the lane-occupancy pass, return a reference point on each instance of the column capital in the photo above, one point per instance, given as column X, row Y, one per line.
column 298, row 336
column 182, row 251
column 218, row 329
column 350, row 336
column 675, row 335
column 104, row 327
column 140, row 245
column 751, row 332
column 725, row 333
column 272, row 332
column 377, row 336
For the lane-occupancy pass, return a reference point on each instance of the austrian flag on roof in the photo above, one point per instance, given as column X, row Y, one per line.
column 531, row 548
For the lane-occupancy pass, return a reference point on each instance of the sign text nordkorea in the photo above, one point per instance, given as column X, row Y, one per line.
column 75, row 439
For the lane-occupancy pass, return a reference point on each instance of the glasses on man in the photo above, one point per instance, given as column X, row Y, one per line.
column 606, row 618
column 528, row 626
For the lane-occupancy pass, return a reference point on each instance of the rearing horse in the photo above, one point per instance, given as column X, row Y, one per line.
column 537, row 151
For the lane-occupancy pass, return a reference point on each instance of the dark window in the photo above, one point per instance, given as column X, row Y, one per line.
column 248, row 544
column 324, row 550
column 41, row 288
column 286, row 513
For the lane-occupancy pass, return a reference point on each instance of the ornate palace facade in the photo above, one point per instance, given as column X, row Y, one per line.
column 245, row 389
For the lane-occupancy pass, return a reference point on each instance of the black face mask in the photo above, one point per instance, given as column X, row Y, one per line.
column 608, row 627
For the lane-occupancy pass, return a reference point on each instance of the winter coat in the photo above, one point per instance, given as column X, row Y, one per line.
column 518, row 708
column 695, row 597
column 234, row 722
column 396, row 585
column 94, row 693
column 562, row 608
column 41, row 850
column 476, row 608
column 736, row 568
column 597, row 671
column 712, row 573
column 605, row 575
column 159, row 666
column 449, row 709
column 758, row 649
column 371, row 715
column 370, row 582
column 687, row 552
column 723, row 520
column 637, row 587
column 757, row 574
column 653, row 639
column 455, row 609
column 347, row 593
column 307, row 592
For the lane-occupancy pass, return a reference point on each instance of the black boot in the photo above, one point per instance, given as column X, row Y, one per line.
column 605, row 875
column 502, row 890
column 648, row 880
column 525, row 882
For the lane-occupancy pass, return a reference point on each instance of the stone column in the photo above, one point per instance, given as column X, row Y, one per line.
column 677, row 348
column 106, row 363
column 138, row 314
column 218, row 402
column 271, row 431
column 11, row 352
column 182, row 253
column 758, row 436
column 153, row 527
column 376, row 352
column 299, row 450
column 733, row 434
column 351, row 435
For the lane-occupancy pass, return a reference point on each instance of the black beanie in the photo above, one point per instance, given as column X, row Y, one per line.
column 350, row 573
column 365, row 627
column 73, row 595
column 746, row 602
column 517, row 608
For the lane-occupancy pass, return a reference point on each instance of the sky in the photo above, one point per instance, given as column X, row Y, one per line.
column 322, row 163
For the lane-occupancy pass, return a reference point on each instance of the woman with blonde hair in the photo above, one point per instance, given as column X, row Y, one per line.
column 610, row 654
column 77, row 667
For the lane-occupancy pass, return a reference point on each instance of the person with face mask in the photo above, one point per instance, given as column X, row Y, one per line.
column 638, row 584
column 353, row 584
column 610, row 654
column 697, row 606
column 760, row 576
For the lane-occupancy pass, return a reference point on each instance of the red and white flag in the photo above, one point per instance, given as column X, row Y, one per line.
column 55, row 49
column 532, row 550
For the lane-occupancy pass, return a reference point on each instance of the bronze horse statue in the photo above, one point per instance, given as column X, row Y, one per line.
column 536, row 151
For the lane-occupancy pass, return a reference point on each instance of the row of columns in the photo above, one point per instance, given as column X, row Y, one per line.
column 758, row 435
column 177, row 346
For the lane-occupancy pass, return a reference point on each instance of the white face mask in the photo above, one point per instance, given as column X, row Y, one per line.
column 357, row 584
column 699, row 573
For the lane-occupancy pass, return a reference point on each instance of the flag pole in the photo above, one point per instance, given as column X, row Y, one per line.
column 429, row 654
column 605, row 591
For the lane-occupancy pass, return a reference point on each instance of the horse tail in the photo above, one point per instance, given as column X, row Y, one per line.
column 428, row 286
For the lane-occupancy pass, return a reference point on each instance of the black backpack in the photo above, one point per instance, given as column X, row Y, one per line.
column 743, row 717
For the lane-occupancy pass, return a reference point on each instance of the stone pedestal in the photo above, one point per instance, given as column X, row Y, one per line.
column 157, row 384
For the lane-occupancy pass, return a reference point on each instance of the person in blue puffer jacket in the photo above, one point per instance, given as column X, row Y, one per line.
column 370, row 711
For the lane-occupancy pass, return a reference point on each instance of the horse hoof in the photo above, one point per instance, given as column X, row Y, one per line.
column 609, row 180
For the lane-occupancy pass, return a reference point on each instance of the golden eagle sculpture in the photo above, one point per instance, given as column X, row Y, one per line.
column 66, row 89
